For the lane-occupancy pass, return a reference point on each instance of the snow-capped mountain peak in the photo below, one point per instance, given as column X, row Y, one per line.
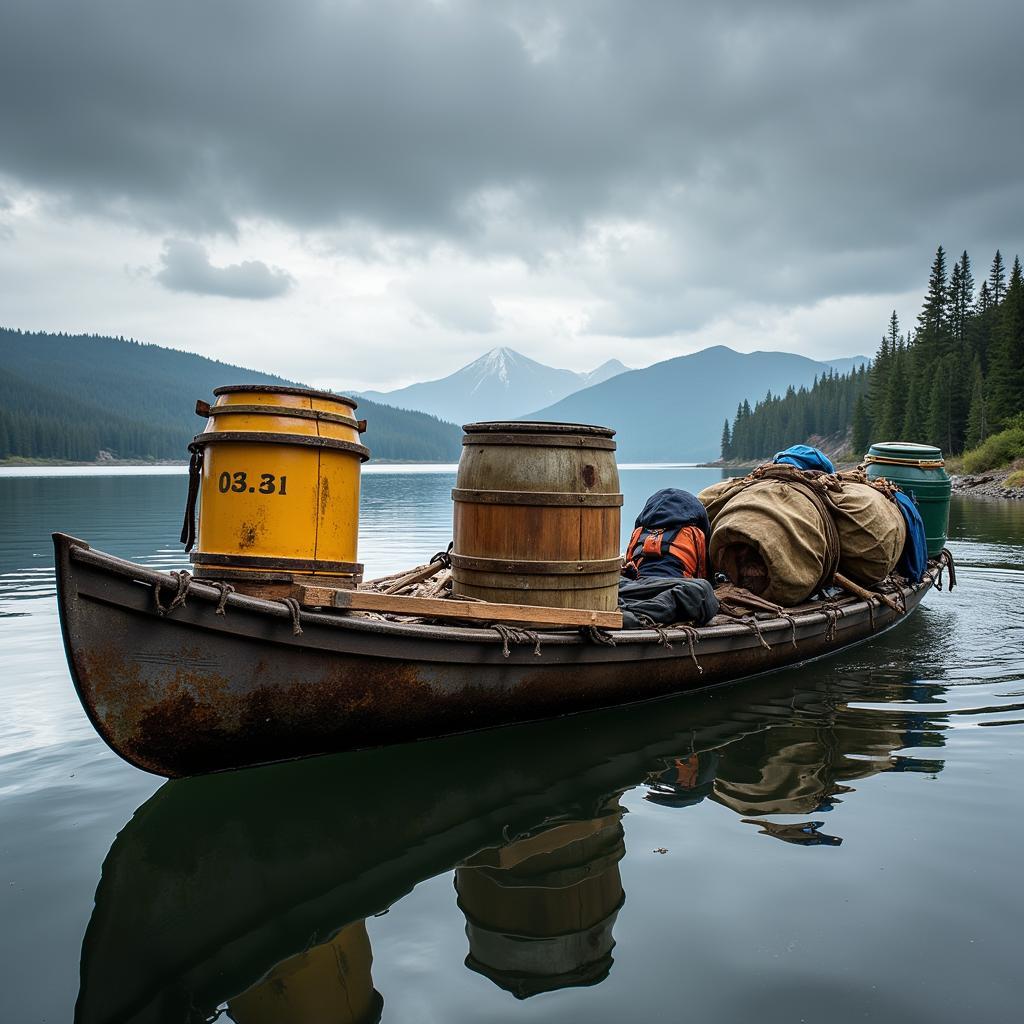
column 500, row 384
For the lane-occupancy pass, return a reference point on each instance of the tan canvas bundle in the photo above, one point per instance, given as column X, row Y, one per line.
column 715, row 497
column 783, row 533
column 871, row 532
column 775, row 537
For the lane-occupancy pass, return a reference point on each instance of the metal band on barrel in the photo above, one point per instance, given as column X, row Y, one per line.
column 562, row 499
column 259, row 437
column 542, row 441
column 504, row 565
column 282, row 410
column 273, row 389
column 266, row 562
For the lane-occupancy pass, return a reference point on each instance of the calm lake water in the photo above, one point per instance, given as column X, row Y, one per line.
column 837, row 843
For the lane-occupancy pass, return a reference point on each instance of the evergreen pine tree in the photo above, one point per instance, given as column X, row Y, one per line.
column 1006, row 367
column 861, row 427
column 977, row 418
column 997, row 279
column 726, row 441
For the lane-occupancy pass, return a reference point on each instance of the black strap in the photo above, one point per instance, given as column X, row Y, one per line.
column 195, row 469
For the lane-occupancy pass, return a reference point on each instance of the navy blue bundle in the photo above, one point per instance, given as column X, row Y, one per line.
column 914, row 559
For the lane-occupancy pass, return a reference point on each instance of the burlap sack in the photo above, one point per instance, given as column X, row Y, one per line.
column 871, row 532
column 771, row 538
column 714, row 498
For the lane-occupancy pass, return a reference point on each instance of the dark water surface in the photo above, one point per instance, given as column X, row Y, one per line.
column 842, row 842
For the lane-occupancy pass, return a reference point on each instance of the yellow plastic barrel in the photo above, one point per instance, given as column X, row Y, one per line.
column 276, row 472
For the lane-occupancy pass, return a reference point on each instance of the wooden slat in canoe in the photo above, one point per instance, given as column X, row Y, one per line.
column 440, row 608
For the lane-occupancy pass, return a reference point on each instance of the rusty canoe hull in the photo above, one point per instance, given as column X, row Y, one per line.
column 215, row 685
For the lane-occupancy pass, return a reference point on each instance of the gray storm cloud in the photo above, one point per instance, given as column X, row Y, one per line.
column 186, row 267
column 789, row 150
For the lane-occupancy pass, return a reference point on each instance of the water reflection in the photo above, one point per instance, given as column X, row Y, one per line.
column 328, row 984
column 540, row 909
column 245, row 894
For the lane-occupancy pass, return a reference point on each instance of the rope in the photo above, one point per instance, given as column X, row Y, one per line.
column 294, row 607
column 833, row 613
column 225, row 589
column 182, row 580
column 692, row 637
column 195, row 472
column 792, row 626
column 515, row 635
column 444, row 557
column 598, row 636
column 913, row 463
column 751, row 621
column 648, row 623
column 946, row 562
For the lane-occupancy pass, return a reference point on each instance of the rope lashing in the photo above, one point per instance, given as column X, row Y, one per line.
column 598, row 636
column 792, row 626
column 294, row 607
column 225, row 589
column 692, row 638
column 182, row 580
column 880, row 460
column 444, row 557
column 648, row 623
column 946, row 562
column 515, row 635
column 751, row 621
column 833, row 613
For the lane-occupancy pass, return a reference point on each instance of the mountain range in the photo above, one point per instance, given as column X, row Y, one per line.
column 674, row 410
column 72, row 396
column 501, row 384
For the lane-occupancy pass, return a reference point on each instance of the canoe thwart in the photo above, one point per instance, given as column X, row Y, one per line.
column 440, row 608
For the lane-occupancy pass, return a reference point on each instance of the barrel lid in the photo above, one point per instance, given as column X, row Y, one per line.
column 274, row 389
column 536, row 427
column 906, row 451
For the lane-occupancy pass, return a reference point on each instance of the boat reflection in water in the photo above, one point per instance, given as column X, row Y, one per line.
column 329, row 983
column 540, row 910
column 244, row 894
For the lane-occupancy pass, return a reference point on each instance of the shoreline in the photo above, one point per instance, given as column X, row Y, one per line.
column 989, row 486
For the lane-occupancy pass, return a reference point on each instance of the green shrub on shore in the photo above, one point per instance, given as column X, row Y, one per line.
column 998, row 450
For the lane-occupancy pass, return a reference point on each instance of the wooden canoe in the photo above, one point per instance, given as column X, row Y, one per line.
column 217, row 684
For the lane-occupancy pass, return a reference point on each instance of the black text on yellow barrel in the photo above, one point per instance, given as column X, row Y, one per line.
column 279, row 485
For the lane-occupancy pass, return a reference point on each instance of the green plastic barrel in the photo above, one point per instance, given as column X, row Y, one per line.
column 917, row 469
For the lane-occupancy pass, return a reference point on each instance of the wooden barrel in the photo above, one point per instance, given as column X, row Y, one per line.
column 277, row 474
column 545, row 921
column 536, row 516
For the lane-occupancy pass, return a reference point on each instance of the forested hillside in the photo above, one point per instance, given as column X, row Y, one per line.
column 777, row 421
column 73, row 396
column 951, row 381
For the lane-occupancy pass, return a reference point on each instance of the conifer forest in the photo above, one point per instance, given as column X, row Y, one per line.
column 951, row 380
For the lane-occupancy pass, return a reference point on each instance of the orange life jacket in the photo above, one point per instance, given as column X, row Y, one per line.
column 685, row 545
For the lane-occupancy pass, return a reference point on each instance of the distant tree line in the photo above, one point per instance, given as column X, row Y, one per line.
column 777, row 421
column 70, row 397
column 952, row 381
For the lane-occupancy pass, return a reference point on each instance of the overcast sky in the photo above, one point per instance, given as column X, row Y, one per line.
column 363, row 194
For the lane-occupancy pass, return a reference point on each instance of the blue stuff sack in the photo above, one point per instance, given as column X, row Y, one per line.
column 914, row 559
column 803, row 456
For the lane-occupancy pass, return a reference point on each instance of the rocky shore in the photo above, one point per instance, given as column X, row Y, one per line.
column 991, row 484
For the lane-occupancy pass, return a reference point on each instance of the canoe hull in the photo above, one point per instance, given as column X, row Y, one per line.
column 196, row 691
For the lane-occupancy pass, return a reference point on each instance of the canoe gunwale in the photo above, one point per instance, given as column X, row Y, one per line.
column 80, row 551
